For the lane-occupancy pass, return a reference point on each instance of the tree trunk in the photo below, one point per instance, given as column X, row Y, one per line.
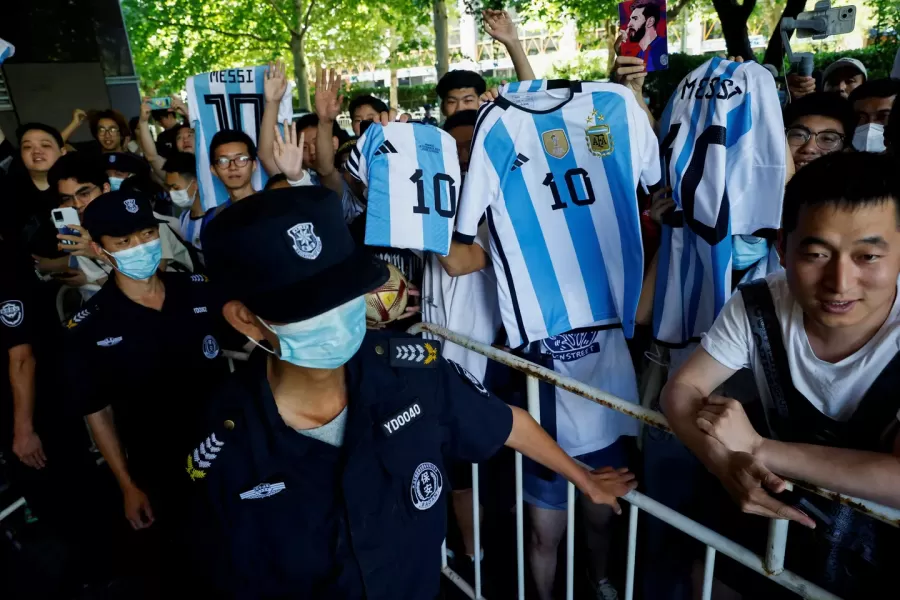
column 733, row 17
column 609, row 28
column 393, row 98
column 775, row 49
column 300, row 72
column 441, row 38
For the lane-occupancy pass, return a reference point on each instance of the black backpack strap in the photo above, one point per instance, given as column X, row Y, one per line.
column 877, row 412
column 770, row 346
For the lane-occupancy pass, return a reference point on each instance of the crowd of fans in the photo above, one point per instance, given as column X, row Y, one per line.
column 116, row 321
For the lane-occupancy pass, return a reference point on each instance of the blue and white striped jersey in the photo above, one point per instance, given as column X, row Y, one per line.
column 723, row 154
column 192, row 229
column 556, row 165
column 6, row 50
column 412, row 174
column 230, row 99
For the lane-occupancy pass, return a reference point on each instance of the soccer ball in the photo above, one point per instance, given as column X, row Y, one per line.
column 388, row 302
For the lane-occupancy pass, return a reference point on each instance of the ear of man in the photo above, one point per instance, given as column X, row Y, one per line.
column 243, row 320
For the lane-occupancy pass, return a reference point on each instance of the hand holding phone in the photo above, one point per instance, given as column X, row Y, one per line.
column 62, row 218
column 161, row 103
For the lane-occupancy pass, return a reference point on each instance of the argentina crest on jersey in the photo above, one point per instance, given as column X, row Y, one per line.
column 598, row 135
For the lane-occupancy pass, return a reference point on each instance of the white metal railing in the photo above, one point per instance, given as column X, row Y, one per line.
column 771, row 565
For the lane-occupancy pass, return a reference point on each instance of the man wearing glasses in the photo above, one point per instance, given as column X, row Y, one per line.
column 111, row 131
column 233, row 160
column 817, row 125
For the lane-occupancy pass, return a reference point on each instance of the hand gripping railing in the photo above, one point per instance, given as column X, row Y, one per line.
column 771, row 565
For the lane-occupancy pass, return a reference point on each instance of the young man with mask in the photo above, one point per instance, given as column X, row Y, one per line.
column 872, row 102
column 144, row 349
column 184, row 189
column 817, row 125
column 821, row 337
column 343, row 440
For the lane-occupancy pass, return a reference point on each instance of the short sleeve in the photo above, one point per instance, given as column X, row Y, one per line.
column 729, row 340
column 82, row 379
column 482, row 185
column 650, row 174
column 476, row 423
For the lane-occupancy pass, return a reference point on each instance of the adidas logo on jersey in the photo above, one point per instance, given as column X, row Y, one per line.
column 386, row 148
column 521, row 159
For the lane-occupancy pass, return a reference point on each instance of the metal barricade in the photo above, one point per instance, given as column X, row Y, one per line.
column 771, row 565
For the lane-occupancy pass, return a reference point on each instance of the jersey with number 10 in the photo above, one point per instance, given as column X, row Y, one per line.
column 412, row 174
column 555, row 166
column 230, row 99
column 724, row 157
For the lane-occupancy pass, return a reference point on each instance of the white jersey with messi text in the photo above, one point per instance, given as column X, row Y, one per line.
column 412, row 174
column 229, row 99
column 723, row 153
column 555, row 166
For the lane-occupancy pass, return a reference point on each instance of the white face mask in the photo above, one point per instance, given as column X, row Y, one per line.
column 869, row 138
column 181, row 199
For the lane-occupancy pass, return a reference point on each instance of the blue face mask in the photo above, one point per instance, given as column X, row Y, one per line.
column 747, row 250
column 326, row 341
column 115, row 183
column 139, row 262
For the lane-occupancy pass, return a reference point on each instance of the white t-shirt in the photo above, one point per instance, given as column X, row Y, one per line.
column 835, row 389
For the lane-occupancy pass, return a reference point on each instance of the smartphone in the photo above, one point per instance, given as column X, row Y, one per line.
column 160, row 103
column 839, row 20
column 62, row 218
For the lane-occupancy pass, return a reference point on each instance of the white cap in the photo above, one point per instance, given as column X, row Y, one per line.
column 842, row 63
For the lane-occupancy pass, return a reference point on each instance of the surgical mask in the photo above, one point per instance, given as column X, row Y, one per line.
column 115, row 183
column 869, row 138
column 181, row 199
column 139, row 262
column 326, row 341
column 747, row 250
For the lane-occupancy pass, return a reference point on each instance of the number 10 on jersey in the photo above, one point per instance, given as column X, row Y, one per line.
column 437, row 183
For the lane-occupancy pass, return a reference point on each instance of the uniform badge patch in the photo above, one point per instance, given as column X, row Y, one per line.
column 414, row 352
column 80, row 316
column 306, row 243
column 210, row 347
column 202, row 457
column 198, row 278
column 402, row 418
column 263, row 490
column 109, row 342
column 469, row 378
column 131, row 205
column 555, row 143
column 427, row 483
column 12, row 313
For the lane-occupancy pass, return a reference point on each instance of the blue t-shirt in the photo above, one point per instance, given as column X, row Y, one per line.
column 656, row 55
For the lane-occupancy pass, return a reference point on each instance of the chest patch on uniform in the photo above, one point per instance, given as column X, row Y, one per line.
column 210, row 347
column 263, row 490
column 469, row 378
column 80, row 316
column 402, row 419
column 202, row 457
column 413, row 352
column 427, row 483
column 109, row 342
column 12, row 313
column 197, row 278
column 199, row 310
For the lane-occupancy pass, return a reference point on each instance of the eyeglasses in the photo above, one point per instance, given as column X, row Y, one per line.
column 223, row 162
column 826, row 140
column 81, row 195
column 107, row 130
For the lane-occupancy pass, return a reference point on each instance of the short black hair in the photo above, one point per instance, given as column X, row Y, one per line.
column 113, row 115
column 307, row 121
column 182, row 163
column 276, row 178
column 875, row 88
column 160, row 113
column 229, row 136
column 53, row 131
column 456, row 80
column 651, row 9
column 367, row 99
column 461, row 118
column 825, row 104
column 844, row 180
column 83, row 168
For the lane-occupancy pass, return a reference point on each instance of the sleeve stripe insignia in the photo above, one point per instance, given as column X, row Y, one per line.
column 414, row 353
column 202, row 457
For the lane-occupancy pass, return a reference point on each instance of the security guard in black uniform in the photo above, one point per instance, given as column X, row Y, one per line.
column 321, row 472
column 141, row 358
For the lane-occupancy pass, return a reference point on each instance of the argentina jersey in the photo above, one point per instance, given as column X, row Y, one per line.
column 555, row 167
column 412, row 174
column 6, row 50
column 230, row 99
column 723, row 154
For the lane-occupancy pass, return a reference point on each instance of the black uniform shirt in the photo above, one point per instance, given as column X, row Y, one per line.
column 282, row 515
column 156, row 368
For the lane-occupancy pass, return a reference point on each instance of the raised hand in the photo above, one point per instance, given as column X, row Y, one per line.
column 146, row 110
column 328, row 102
column 179, row 107
column 275, row 84
column 499, row 25
column 78, row 116
column 288, row 152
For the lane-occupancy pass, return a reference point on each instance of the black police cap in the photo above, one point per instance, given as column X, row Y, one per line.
column 118, row 214
column 123, row 161
column 287, row 254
